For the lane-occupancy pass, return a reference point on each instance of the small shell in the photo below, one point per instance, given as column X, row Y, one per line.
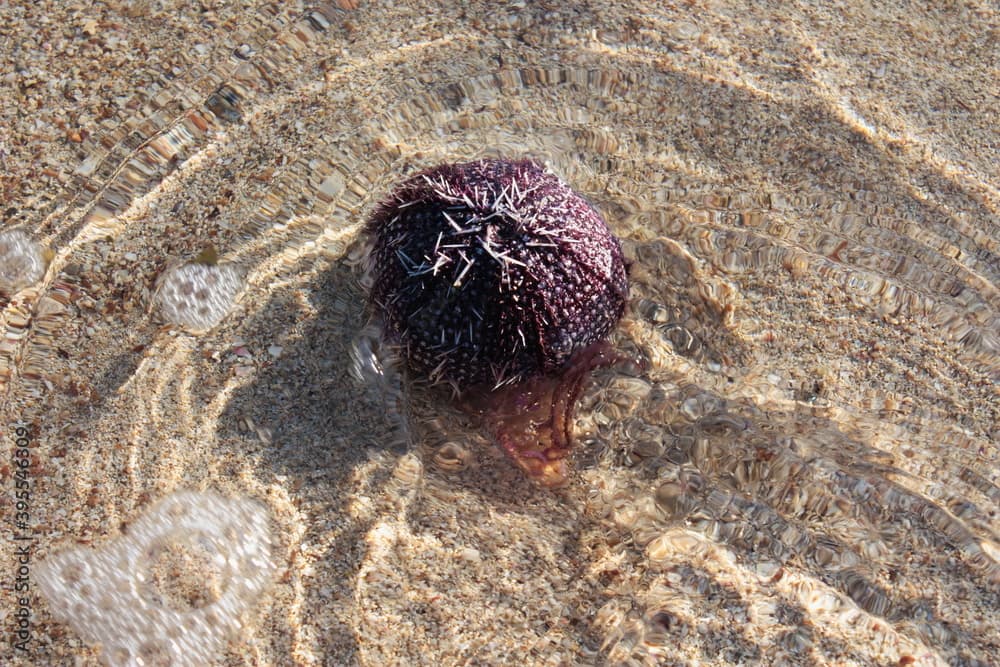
column 452, row 457
column 409, row 471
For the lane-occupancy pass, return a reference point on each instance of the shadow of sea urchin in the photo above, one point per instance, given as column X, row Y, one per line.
column 495, row 276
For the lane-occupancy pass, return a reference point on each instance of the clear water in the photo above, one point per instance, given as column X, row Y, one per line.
column 807, row 474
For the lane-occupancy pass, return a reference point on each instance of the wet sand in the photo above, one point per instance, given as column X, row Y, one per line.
column 806, row 474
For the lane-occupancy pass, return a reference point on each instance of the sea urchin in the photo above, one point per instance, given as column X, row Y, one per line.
column 496, row 273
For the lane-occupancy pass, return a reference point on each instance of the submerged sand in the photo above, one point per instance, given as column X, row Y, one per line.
column 806, row 474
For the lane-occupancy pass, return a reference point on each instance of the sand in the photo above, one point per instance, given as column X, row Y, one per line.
column 807, row 473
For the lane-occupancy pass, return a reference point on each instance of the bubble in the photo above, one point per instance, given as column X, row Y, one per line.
column 196, row 561
column 198, row 296
column 22, row 261
column 670, row 498
column 624, row 394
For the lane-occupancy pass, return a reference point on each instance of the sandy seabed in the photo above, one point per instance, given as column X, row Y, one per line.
column 806, row 474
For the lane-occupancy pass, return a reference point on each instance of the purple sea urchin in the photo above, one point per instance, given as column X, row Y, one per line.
column 496, row 277
column 492, row 272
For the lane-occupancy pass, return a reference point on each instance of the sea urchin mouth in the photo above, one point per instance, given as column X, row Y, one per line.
column 493, row 272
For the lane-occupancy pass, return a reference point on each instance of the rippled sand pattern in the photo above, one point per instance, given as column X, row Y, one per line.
column 806, row 474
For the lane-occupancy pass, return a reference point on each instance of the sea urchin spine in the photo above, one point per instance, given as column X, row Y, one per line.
column 494, row 271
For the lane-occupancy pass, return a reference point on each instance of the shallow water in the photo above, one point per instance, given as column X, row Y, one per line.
column 806, row 474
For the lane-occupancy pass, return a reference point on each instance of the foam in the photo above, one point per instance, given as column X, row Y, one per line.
column 197, row 296
column 170, row 591
column 22, row 261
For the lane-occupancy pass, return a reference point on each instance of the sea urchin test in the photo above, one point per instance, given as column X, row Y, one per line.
column 496, row 277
